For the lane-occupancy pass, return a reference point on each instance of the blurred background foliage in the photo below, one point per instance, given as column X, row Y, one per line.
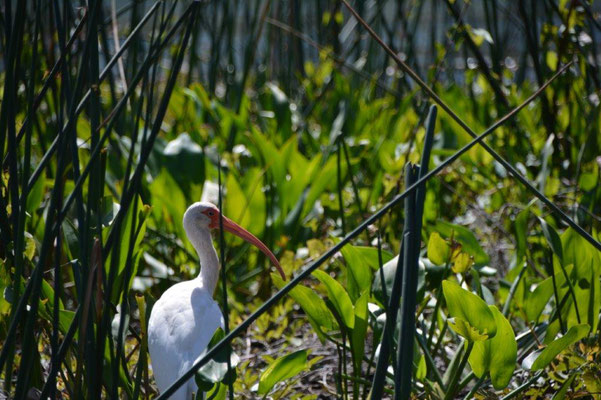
column 310, row 124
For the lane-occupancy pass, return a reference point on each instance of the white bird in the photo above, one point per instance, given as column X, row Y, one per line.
column 184, row 319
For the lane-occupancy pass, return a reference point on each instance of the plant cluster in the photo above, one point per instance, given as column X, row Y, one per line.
column 113, row 121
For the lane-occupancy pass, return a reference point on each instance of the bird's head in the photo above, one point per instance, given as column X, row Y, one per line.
column 204, row 215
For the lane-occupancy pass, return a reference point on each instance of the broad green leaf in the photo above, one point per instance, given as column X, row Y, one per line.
column 498, row 354
column 579, row 252
column 236, row 205
column 538, row 299
column 461, row 263
column 253, row 190
column 359, row 331
column 35, row 196
column 359, row 272
column 310, row 302
column 302, row 172
column 325, row 178
column 281, row 369
column 585, row 276
column 467, row 239
column 184, row 159
column 464, row 329
column 468, row 310
column 438, row 249
column 422, row 368
column 339, row 298
column 169, row 204
column 128, row 247
column 29, row 251
column 369, row 255
column 540, row 359
column 271, row 156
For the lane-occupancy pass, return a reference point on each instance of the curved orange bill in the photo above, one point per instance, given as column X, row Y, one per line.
column 239, row 231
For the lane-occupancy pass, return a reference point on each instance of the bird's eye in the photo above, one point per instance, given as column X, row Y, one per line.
column 211, row 213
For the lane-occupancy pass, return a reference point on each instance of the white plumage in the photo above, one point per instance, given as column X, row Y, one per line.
column 184, row 319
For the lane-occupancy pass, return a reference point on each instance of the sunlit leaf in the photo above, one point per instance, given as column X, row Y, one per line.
column 438, row 249
column 310, row 302
column 461, row 263
column 498, row 354
column 467, row 239
column 360, row 330
column 541, row 358
column 281, row 369
column 552, row 238
column 536, row 300
column 339, row 298
column 472, row 317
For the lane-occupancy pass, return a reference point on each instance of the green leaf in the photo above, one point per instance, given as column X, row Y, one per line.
column 360, row 273
column 461, row 263
column 357, row 337
column 252, row 184
column 468, row 241
column 521, row 228
column 585, row 276
column 551, row 59
column 272, row 156
column 369, row 255
column 325, row 178
column 465, row 329
column 29, row 246
column 552, row 238
column 236, row 205
column 339, row 298
column 422, row 368
column 498, row 354
column 281, row 369
column 310, row 302
column 215, row 370
column 561, row 393
column 538, row 299
column 438, row 249
column 184, row 159
column 472, row 317
column 168, row 204
column 540, row 359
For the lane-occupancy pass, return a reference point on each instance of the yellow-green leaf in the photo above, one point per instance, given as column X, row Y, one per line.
column 438, row 249
column 462, row 263
column 472, row 318
column 498, row 354
column 281, row 369
column 339, row 298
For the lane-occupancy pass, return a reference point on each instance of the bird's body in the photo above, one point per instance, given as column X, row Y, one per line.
column 183, row 321
column 179, row 332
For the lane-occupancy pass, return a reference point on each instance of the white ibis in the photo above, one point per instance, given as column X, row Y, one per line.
column 184, row 319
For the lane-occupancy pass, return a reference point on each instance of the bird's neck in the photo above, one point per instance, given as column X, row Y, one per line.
column 209, row 263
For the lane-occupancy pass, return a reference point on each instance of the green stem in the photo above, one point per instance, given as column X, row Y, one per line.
column 457, row 374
